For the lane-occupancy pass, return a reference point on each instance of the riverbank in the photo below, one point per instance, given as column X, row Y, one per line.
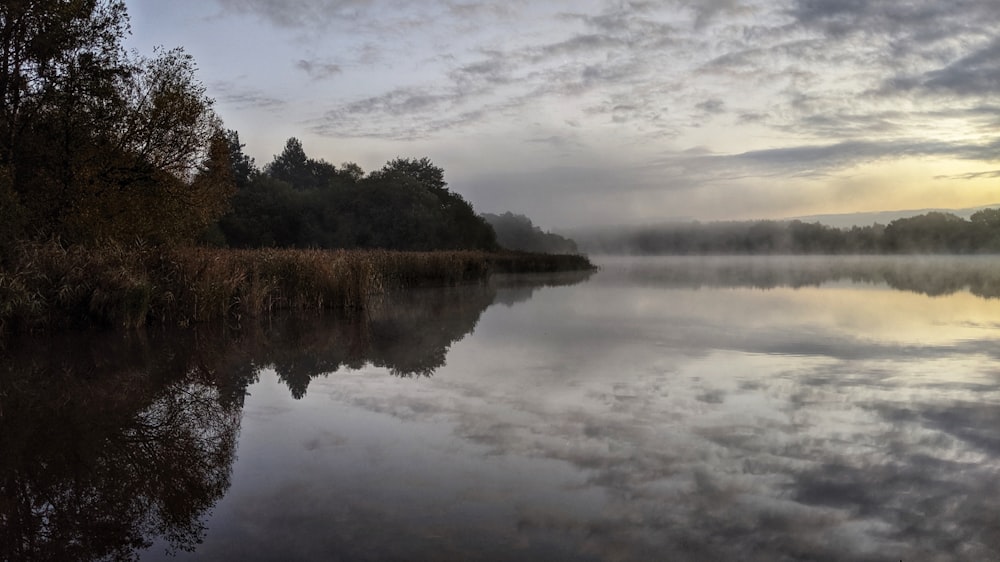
column 48, row 286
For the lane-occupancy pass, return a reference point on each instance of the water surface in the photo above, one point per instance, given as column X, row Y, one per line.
column 705, row 408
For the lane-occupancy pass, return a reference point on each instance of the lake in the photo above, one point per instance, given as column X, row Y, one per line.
column 747, row 408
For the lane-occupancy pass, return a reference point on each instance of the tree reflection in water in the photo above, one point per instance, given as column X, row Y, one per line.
column 107, row 441
column 112, row 441
column 929, row 275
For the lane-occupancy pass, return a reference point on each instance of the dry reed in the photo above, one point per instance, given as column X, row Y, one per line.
column 47, row 285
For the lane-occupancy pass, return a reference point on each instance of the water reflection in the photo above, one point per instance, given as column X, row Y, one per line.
column 632, row 419
column 666, row 408
column 928, row 275
column 409, row 333
column 110, row 443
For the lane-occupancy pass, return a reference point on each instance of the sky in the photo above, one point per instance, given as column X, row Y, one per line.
column 598, row 113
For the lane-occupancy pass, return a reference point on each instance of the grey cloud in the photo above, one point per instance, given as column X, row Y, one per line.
column 917, row 32
column 243, row 98
column 495, row 70
column 776, row 52
column 486, row 67
column 300, row 13
column 975, row 74
column 318, row 70
column 971, row 176
column 753, row 117
column 579, row 44
column 706, row 11
column 840, row 17
column 853, row 152
column 856, row 125
column 712, row 106
column 475, row 10
column 616, row 56
column 737, row 62
column 557, row 141
column 398, row 102
column 609, row 73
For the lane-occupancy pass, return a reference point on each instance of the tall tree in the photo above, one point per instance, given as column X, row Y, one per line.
column 96, row 143
column 422, row 170
column 51, row 48
column 244, row 167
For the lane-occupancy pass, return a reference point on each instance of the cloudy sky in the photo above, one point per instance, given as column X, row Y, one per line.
column 612, row 112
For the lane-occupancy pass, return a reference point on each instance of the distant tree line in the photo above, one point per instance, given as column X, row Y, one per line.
column 933, row 232
column 517, row 232
column 298, row 201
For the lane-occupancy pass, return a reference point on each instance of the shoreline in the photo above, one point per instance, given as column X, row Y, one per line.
column 47, row 286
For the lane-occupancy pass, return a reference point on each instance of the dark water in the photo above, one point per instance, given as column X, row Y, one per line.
column 681, row 408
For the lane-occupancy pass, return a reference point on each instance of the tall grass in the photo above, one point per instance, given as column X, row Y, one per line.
column 47, row 285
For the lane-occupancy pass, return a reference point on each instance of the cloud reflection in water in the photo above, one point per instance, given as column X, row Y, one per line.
column 635, row 417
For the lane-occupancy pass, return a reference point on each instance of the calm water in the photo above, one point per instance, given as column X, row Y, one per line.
column 681, row 408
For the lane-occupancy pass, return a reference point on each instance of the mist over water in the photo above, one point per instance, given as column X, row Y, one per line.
column 694, row 408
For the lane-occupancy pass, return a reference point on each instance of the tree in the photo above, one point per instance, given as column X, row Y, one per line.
column 298, row 170
column 96, row 143
column 244, row 167
column 50, row 48
column 985, row 225
column 460, row 227
column 352, row 170
column 422, row 170
column 291, row 165
column 517, row 232
column 302, row 202
column 930, row 232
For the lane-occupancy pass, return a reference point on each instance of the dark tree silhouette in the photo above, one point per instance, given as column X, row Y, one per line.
column 301, row 202
column 93, row 139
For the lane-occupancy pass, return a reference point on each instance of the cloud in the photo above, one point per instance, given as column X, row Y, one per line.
column 300, row 13
column 231, row 93
column 712, row 106
column 556, row 141
column 578, row 45
column 970, row 176
column 711, row 454
column 976, row 74
column 797, row 90
column 318, row 70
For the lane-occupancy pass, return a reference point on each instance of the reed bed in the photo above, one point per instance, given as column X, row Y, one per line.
column 47, row 285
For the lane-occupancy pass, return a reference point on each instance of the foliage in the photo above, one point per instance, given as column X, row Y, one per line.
column 516, row 232
column 47, row 285
column 933, row 232
column 110, row 443
column 93, row 139
column 297, row 201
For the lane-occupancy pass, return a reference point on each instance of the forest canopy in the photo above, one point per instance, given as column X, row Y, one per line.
column 298, row 201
